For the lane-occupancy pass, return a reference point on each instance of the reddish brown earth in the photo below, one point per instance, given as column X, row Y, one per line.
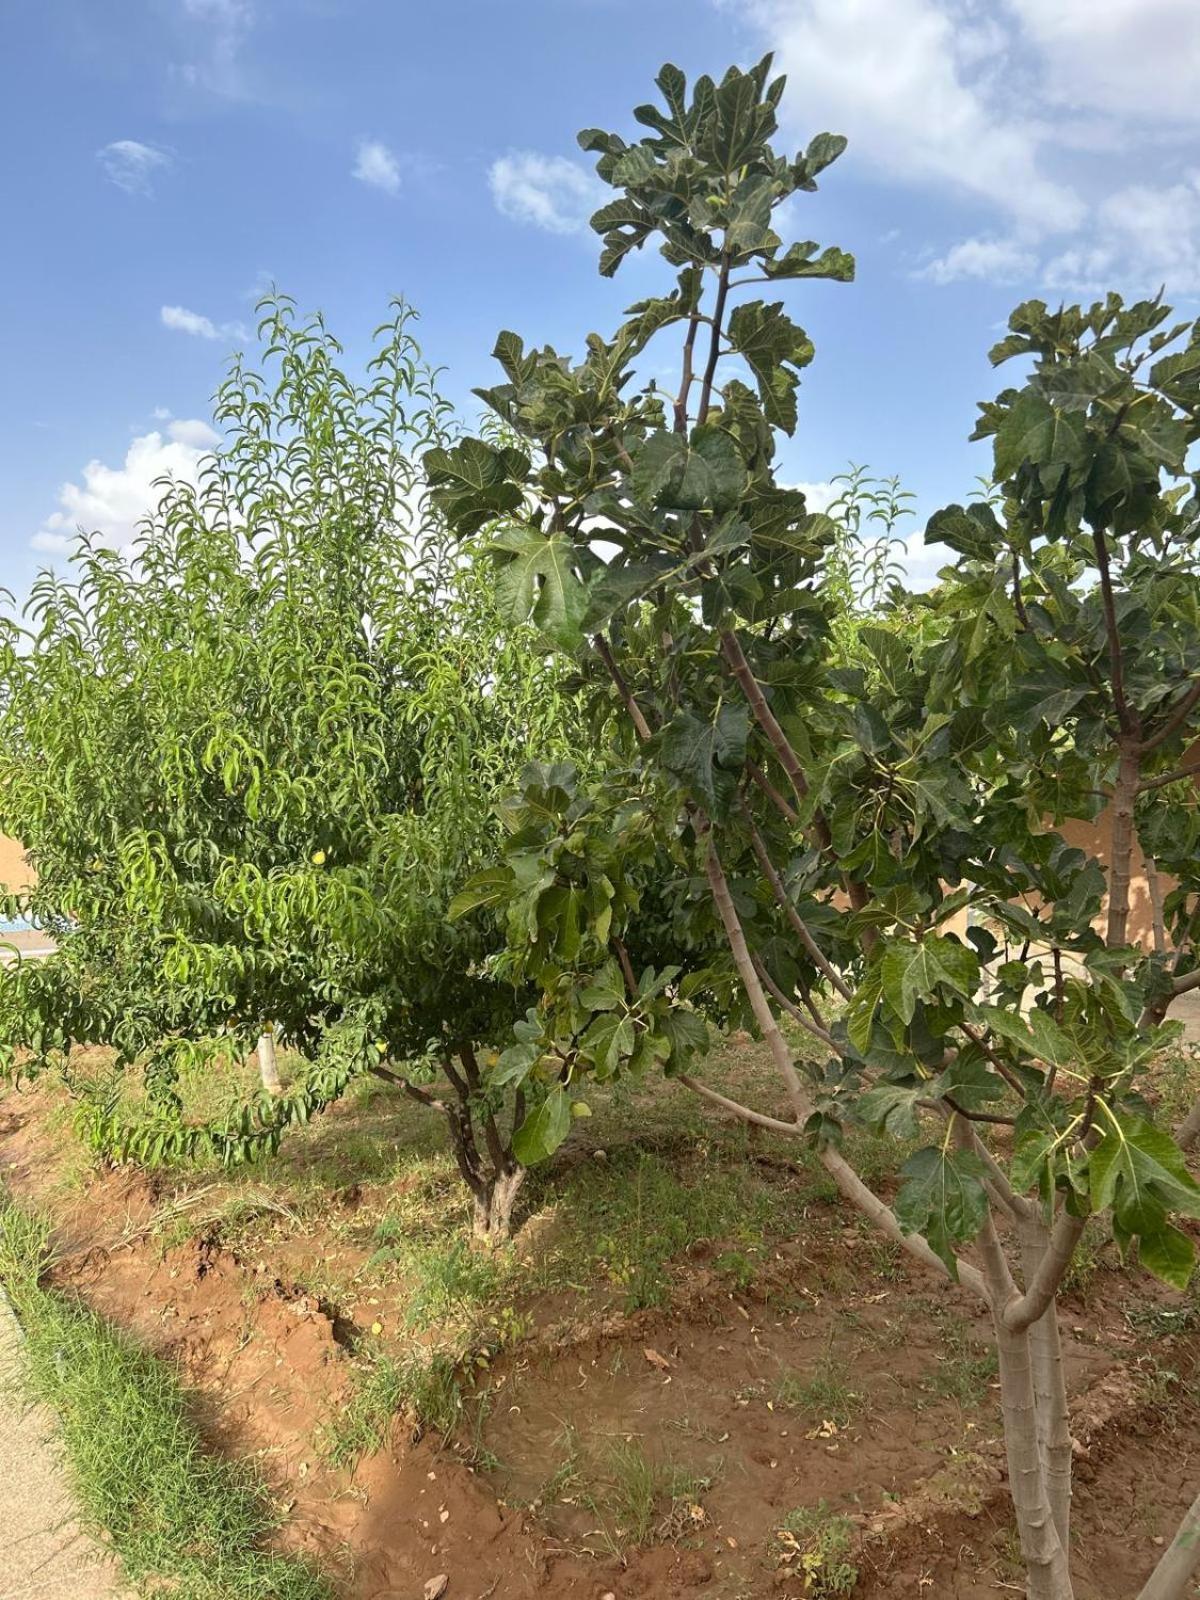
column 921, row 1473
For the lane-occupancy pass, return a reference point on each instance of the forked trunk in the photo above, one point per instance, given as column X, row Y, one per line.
column 494, row 1203
column 268, row 1068
column 1046, row 1558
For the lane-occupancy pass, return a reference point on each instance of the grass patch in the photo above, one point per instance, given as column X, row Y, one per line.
column 424, row 1384
column 181, row 1519
column 631, row 1217
column 824, row 1393
column 964, row 1370
column 635, row 1499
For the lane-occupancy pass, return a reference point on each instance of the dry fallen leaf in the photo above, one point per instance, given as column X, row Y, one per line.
column 656, row 1360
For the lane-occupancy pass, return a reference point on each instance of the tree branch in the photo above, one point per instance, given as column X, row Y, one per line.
column 636, row 716
column 760, row 780
column 714, row 348
column 1171, row 1578
column 817, row 1030
column 685, row 384
column 759, row 1119
column 815, row 954
column 1175, row 719
column 413, row 1090
column 1190, row 771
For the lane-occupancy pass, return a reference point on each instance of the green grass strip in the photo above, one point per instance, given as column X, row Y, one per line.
column 179, row 1517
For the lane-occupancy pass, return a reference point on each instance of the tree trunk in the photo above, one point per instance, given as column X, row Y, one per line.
column 1189, row 1129
column 1047, row 1561
column 267, row 1067
column 1050, row 1391
column 494, row 1203
column 1154, row 889
column 1121, row 850
column 1172, row 1577
column 1046, row 1564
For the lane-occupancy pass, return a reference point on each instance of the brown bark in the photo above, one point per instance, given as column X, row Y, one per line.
column 494, row 1202
column 1154, row 890
column 1120, row 867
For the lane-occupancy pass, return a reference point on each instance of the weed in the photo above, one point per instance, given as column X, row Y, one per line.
column 563, row 1482
column 817, row 1545
column 446, row 1277
column 825, row 1393
column 180, row 1518
column 963, row 1370
column 1154, row 1382
column 638, row 1500
column 1158, row 1322
column 1087, row 1261
column 735, row 1266
column 637, row 1214
column 425, row 1384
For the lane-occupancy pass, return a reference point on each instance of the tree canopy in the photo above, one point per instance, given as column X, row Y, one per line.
column 876, row 827
column 252, row 759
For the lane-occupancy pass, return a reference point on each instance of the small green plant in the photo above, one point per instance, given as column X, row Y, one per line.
column 447, row 1276
column 378, row 1391
column 563, row 1482
column 635, row 1230
column 817, row 1545
column 737, row 1267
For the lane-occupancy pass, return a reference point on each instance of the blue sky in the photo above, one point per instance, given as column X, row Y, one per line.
column 167, row 158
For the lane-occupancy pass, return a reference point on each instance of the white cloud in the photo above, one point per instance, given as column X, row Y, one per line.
column 133, row 166
column 181, row 320
column 376, row 165
column 1137, row 60
column 999, row 260
column 818, row 496
column 185, row 321
column 924, row 92
column 549, row 191
column 1047, row 114
column 1143, row 237
column 111, row 501
column 219, row 32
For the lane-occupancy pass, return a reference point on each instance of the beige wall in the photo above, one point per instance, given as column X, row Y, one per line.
column 15, row 871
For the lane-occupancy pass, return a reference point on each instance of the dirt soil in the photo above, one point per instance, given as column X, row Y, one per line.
column 834, row 1376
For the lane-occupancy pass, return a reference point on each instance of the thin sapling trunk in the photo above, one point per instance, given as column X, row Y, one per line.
column 268, row 1067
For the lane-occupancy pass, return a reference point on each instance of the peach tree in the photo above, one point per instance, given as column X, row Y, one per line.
column 252, row 759
column 873, row 832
